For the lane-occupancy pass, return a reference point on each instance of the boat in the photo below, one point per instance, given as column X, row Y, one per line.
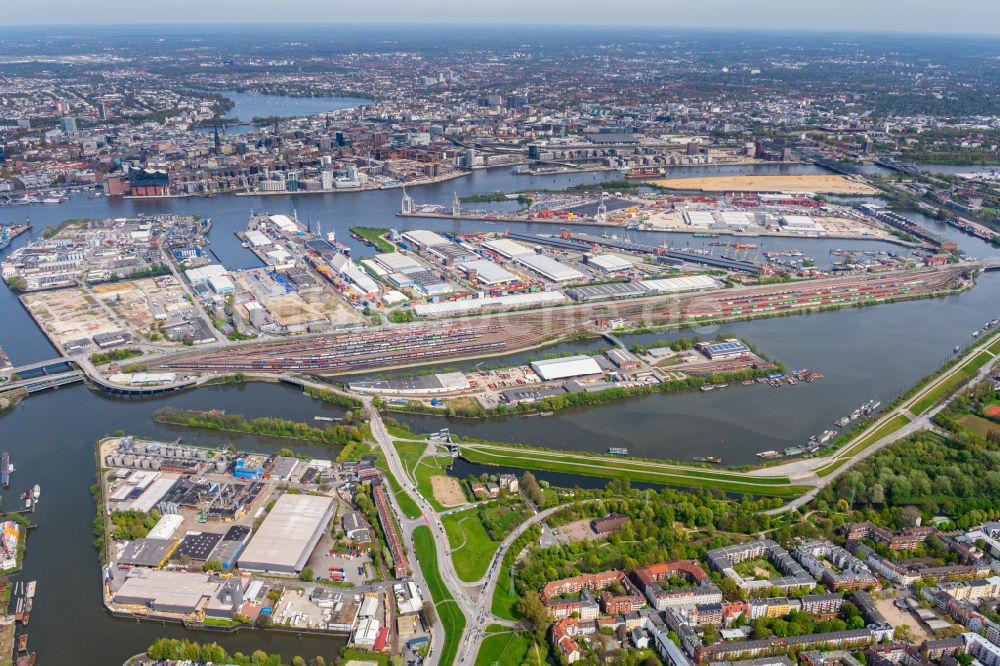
column 769, row 454
column 36, row 492
column 5, row 469
column 706, row 235
column 707, row 388
column 618, row 450
column 714, row 459
column 27, row 503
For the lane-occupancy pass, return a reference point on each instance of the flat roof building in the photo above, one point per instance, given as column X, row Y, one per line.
column 549, row 268
column 288, row 534
column 487, row 273
column 561, row 368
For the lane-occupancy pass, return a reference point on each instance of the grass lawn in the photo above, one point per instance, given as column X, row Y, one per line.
column 406, row 503
column 409, row 453
column 471, row 546
column 505, row 597
column 427, row 467
column 374, row 235
column 510, row 649
column 757, row 568
column 634, row 470
column 995, row 347
column 947, row 386
column 978, row 425
column 449, row 614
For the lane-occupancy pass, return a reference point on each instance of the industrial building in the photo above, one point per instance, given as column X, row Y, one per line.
column 487, row 273
column 181, row 593
column 288, row 534
column 549, row 268
column 608, row 263
column 507, row 248
column 726, row 349
column 800, row 223
column 562, row 368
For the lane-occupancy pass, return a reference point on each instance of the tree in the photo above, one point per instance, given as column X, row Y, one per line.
column 17, row 283
column 307, row 574
column 298, row 661
column 429, row 613
column 535, row 613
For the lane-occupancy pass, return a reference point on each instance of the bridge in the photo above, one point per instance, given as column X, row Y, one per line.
column 991, row 265
column 50, row 366
column 44, row 382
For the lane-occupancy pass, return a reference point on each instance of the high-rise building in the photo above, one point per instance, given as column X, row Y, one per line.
column 67, row 124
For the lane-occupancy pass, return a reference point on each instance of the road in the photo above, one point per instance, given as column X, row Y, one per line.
column 917, row 423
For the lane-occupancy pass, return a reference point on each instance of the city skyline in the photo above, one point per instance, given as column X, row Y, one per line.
column 920, row 16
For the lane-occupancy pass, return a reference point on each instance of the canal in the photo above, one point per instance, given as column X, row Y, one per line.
column 874, row 352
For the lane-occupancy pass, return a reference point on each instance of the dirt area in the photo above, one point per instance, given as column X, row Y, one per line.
column 819, row 184
column 299, row 309
column 578, row 530
column 69, row 314
column 897, row 617
column 447, row 491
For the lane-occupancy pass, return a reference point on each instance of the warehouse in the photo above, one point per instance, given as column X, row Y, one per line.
column 284, row 223
column 221, row 284
column 180, row 593
column 549, row 268
column 699, row 218
column 486, row 273
column 678, row 284
column 288, row 534
column 147, row 552
column 166, row 526
column 737, row 220
column 422, row 238
column 511, row 301
column 800, row 223
column 725, row 349
column 609, row 263
column 606, row 291
column 202, row 275
column 561, row 368
column 397, row 262
column 257, row 239
column 507, row 248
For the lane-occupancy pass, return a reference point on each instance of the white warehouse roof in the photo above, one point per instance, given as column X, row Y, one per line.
column 609, row 263
column 283, row 222
column 201, row 275
column 257, row 238
column 507, row 247
column 699, row 218
column 533, row 299
column 737, row 219
column 549, row 267
column 488, row 273
column 397, row 262
column 561, row 368
column 675, row 284
column 425, row 238
column 288, row 534
column 166, row 526
column 799, row 222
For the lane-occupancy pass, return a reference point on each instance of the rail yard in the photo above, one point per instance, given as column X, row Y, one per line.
column 421, row 343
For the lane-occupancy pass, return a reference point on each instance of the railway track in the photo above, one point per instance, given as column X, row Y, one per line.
column 425, row 343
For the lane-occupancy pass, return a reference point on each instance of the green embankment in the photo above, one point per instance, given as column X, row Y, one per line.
column 427, row 467
column 511, row 649
column 887, row 428
column 471, row 547
column 587, row 464
column 958, row 376
column 374, row 235
column 449, row 614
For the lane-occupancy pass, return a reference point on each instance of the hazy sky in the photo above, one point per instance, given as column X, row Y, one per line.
column 956, row 16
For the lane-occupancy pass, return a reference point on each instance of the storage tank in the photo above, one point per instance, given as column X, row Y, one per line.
column 128, row 461
column 154, row 463
column 221, row 465
column 140, row 447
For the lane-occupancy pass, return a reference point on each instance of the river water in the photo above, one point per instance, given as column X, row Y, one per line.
column 874, row 352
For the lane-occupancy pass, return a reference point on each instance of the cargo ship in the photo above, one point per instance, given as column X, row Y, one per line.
column 618, row 450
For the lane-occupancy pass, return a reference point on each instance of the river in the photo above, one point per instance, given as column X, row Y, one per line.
column 875, row 352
